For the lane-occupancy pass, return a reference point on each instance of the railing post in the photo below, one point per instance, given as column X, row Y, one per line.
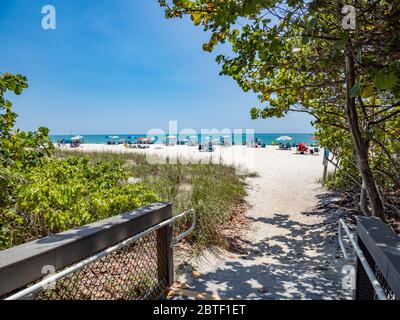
column 170, row 256
column 165, row 265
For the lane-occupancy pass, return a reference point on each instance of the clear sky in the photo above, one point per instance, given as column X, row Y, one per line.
column 118, row 66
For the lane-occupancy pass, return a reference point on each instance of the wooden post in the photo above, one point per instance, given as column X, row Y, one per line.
column 165, row 266
column 325, row 164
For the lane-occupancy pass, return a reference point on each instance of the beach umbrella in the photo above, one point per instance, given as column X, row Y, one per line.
column 113, row 137
column 171, row 137
column 284, row 138
column 77, row 138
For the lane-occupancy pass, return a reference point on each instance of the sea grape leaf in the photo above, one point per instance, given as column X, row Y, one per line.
column 385, row 79
column 355, row 91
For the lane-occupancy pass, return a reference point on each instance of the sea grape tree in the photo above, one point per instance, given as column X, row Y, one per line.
column 18, row 149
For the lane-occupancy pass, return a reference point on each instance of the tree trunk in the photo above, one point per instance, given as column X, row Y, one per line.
column 360, row 144
column 364, row 201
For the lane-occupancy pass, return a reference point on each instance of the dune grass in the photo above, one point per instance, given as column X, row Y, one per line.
column 214, row 191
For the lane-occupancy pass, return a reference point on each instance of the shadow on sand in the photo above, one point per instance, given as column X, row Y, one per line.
column 304, row 263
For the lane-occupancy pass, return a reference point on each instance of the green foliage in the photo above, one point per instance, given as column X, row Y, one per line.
column 40, row 195
column 18, row 150
column 58, row 195
column 214, row 191
column 387, row 78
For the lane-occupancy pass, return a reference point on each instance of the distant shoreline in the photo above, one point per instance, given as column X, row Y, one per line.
column 266, row 138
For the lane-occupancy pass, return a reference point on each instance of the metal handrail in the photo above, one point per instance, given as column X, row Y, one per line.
column 371, row 276
column 192, row 227
column 53, row 278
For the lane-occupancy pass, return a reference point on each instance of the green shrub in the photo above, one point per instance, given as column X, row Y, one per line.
column 58, row 195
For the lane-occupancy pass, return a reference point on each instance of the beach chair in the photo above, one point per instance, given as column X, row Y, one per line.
column 302, row 149
column 286, row 146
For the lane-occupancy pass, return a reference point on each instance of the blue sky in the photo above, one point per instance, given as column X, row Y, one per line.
column 118, row 66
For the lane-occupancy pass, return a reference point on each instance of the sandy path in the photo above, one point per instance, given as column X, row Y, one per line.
column 292, row 254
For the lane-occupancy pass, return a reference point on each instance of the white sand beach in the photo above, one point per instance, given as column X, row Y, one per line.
column 243, row 158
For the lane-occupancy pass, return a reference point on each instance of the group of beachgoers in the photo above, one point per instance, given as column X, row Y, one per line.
column 301, row 148
column 74, row 143
column 207, row 145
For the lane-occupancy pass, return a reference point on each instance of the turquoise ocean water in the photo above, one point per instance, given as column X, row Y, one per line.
column 266, row 138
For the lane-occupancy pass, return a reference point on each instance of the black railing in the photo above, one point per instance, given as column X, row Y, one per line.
column 381, row 248
column 124, row 257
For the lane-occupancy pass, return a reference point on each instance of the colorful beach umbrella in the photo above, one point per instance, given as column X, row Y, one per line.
column 284, row 138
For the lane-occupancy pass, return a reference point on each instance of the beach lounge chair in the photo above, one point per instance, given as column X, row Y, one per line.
column 286, row 146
